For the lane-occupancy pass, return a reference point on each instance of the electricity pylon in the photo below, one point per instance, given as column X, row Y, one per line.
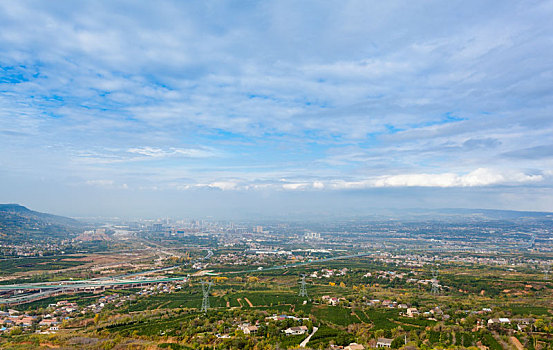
column 206, row 287
column 435, row 285
column 303, row 289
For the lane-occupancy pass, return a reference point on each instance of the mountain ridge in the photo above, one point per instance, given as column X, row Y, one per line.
column 19, row 222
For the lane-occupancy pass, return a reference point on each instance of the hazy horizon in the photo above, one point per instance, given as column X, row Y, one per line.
column 137, row 109
column 298, row 212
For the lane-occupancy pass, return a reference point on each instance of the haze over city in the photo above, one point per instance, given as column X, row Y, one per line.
column 270, row 108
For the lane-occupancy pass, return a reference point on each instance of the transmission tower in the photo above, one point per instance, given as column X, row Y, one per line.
column 206, row 287
column 546, row 271
column 303, row 289
column 435, row 285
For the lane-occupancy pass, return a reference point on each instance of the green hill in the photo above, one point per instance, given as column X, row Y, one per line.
column 18, row 223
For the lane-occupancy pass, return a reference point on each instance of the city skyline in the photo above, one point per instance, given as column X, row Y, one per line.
column 130, row 109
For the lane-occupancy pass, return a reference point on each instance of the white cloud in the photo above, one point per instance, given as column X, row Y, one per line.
column 109, row 184
column 155, row 152
column 478, row 177
column 100, row 183
column 222, row 185
column 294, row 186
column 148, row 151
column 318, row 185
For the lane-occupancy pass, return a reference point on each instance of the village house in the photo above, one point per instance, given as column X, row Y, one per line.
column 248, row 329
column 523, row 323
column 296, row 330
column 374, row 302
column 48, row 322
column 384, row 343
column 412, row 312
column 284, row 317
column 343, row 271
column 25, row 321
column 330, row 300
column 498, row 321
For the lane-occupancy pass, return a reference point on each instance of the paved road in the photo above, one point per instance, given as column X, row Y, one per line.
column 303, row 344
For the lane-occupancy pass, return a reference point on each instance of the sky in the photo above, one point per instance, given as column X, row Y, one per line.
column 236, row 108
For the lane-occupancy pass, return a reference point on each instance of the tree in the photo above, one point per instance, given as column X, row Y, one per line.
column 398, row 342
column 16, row 331
column 396, row 331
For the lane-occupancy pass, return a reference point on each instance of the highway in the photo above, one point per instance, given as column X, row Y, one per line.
column 86, row 283
column 47, row 288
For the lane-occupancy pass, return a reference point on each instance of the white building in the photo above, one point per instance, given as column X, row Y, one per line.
column 248, row 329
column 384, row 343
column 296, row 330
column 412, row 312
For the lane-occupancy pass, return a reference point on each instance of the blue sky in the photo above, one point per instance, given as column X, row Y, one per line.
column 228, row 107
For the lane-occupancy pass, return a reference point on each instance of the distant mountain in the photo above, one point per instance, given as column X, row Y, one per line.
column 499, row 214
column 18, row 222
column 458, row 215
column 419, row 214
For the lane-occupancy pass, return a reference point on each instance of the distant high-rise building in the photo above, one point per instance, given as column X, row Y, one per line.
column 312, row 236
column 259, row 229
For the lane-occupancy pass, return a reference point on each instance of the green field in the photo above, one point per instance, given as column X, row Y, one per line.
column 529, row 310
column 334, row 315
column 14, row 265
